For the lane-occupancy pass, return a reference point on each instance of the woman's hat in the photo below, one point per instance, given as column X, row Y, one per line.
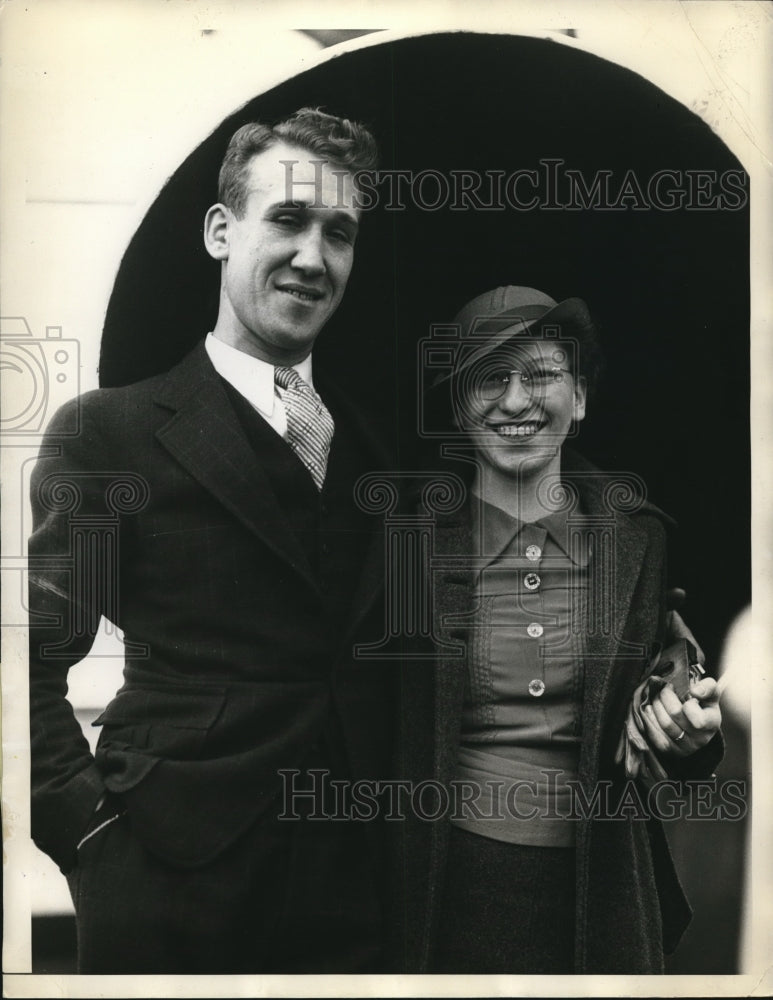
column 496, row 317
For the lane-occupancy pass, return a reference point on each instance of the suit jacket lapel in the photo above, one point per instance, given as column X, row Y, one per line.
column 452, row 596
column 616, row 566
column 377, row 459
column 205, row 437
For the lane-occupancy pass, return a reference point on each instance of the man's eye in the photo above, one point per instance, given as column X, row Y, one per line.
column 291, row 221
column 341, row 236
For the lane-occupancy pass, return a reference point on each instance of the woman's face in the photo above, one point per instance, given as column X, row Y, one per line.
column 518, row 404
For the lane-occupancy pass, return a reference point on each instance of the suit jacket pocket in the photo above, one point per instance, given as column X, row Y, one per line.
column 111, row 810
column 168, row 722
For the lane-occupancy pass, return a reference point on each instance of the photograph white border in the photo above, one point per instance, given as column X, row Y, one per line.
column 113, row 96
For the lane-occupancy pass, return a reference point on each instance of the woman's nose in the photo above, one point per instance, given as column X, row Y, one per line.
column 516, row 397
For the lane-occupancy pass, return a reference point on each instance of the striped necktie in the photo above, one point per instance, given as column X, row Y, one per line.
column 309, row 424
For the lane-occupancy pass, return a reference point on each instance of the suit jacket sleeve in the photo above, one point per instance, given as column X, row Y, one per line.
column 701, row 764
column 65, row 607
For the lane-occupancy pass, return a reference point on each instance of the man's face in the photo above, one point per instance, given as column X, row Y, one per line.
column 518, row 404
column 287, row 260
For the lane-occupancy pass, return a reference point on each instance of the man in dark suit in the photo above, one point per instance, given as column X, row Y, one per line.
column 209, row 513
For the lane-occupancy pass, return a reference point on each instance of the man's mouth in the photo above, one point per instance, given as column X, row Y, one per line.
column 302, row 292
column 525, row 428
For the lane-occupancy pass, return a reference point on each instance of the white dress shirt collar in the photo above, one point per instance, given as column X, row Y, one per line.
column 250, row 376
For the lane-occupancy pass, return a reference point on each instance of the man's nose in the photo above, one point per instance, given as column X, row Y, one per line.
column 516, row 397
column 309, row 253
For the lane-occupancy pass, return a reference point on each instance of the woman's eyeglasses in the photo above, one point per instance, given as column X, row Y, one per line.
column 494, row 384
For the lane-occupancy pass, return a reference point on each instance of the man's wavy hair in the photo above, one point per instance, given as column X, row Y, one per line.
column 347, row 145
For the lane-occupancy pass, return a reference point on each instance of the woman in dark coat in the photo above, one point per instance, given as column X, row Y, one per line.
column 549, row 602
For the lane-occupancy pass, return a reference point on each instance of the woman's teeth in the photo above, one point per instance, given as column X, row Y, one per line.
column 517, row 430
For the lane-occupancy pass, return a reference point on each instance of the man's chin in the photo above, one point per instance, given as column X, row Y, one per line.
column 292, row 340
column 296, row 312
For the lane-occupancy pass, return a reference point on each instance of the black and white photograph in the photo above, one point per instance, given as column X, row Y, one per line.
column 386, row 557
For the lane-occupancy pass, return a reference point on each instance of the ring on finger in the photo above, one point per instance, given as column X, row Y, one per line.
column 680, row 737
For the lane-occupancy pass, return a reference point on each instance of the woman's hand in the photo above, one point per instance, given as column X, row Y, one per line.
column 679, row 728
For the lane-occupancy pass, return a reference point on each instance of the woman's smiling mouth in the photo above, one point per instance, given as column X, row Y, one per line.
column 525, row 428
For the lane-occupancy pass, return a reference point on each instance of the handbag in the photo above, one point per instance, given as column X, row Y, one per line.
column 677, row 665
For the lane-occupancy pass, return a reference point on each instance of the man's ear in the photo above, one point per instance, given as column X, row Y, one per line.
column 580, row 396
column 216, row 231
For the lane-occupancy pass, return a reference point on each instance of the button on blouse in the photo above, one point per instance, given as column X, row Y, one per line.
column 525, row 684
